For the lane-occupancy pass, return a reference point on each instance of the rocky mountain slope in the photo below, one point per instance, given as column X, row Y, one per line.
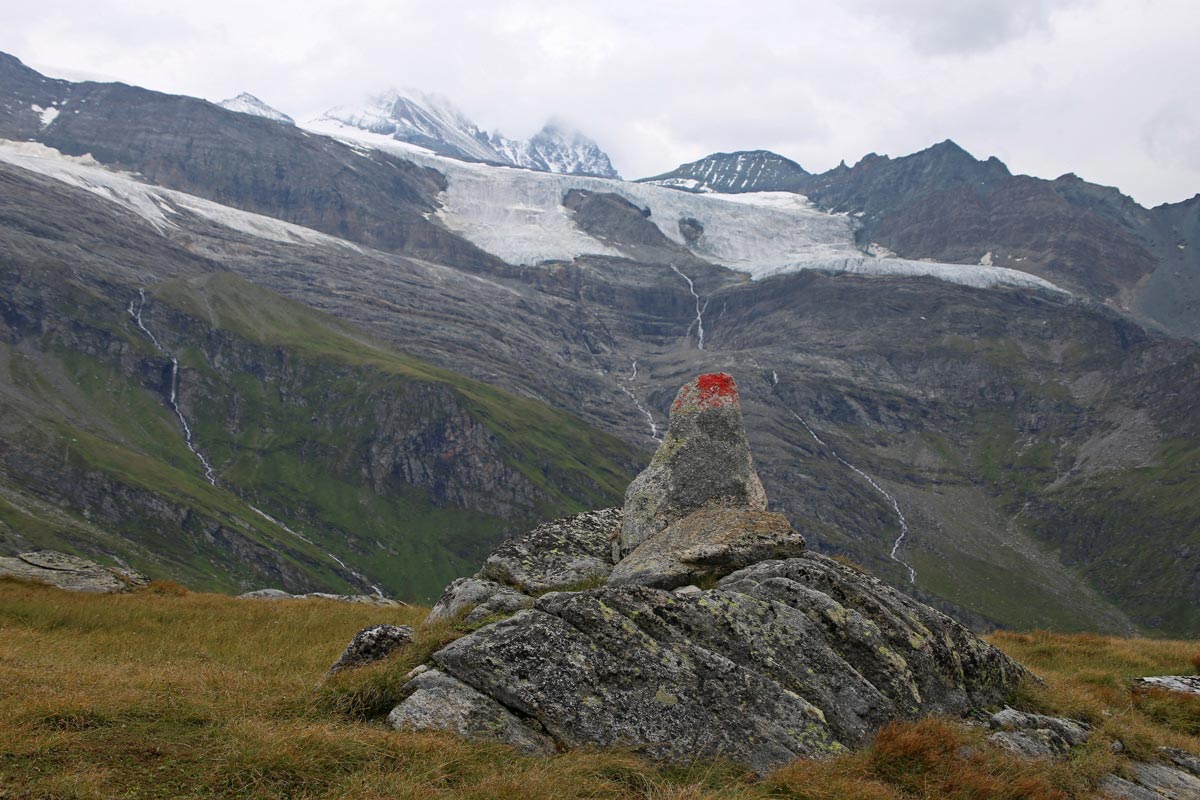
column 433, row 123
column 162, row 412
column 1012, row 452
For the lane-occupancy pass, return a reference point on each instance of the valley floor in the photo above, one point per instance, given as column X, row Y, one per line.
column 171, row 694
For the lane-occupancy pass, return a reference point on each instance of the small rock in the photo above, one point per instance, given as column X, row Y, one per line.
column 268, row 594
column 704, row 462
column 441, row 703
column 1117, row 788
column 467, row 596
column 1030, row 744
column 1182, row 759
column 709, row 543
column 1036, row 735
column 562, row 553
column 372, row 644
column 363, row 599
column 1188, row 684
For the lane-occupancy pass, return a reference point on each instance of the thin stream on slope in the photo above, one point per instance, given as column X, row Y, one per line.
column 172, row 397
column 699, row 309
column 649, row 417
column 209, row 475
column 904, row 530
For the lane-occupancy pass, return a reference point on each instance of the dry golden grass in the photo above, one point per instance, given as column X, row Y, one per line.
column 170, row 694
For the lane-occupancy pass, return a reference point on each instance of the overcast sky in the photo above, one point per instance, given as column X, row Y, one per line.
column 1107, row 89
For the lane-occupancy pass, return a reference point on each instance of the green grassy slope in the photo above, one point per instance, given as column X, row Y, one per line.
column 302, row 416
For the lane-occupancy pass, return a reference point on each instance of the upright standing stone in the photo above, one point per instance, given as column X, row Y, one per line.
column 704, row 462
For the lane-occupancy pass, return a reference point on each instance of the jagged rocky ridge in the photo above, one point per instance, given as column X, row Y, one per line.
column 787, row 653
column 943, row 204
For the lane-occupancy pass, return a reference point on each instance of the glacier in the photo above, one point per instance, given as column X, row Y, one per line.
column 518, row 216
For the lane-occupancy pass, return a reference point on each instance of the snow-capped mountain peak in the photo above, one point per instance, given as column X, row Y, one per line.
column 246, row 103
column 434, row 123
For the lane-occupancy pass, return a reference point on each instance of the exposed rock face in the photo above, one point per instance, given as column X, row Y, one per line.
column 704, row 462
column 71, row 572
column 372, row 644
column 709, row 543
column 798, row 656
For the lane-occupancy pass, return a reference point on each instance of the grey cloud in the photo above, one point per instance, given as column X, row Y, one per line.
column 1172, row 136
column 963, row 26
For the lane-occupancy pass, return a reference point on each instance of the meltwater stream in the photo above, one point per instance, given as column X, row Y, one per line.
column 172, row 400
column 699, row 308
column 904, row 530
column 654, row 434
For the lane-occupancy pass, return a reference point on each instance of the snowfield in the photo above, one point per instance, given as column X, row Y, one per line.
column 154, row 204
column 518, row 215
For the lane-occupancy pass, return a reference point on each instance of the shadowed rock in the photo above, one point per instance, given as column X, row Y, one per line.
column 709, row 543
column 703, row 462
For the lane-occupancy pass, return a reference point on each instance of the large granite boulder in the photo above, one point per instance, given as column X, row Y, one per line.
column 703, row 462
column 766, row 667
column 70, row 572
column 707, row 544
column 789, row 654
